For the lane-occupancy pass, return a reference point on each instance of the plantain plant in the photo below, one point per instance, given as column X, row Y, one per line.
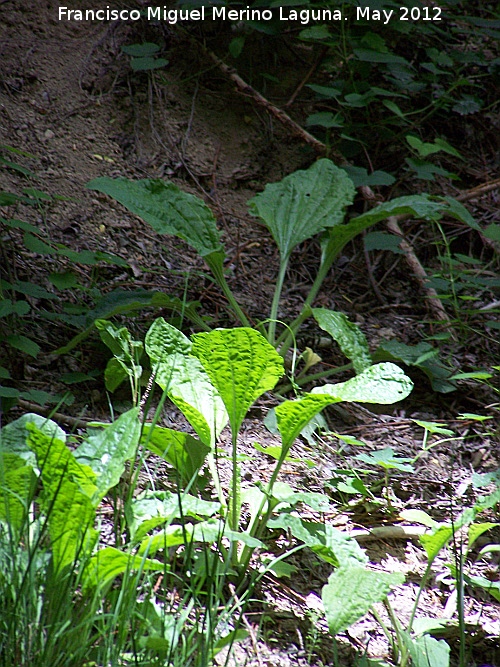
column 305, row 204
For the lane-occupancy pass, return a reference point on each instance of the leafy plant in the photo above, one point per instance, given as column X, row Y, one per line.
column 144, row 57
column 302, row 205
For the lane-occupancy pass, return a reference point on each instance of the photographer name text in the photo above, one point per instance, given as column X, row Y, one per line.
column 304, row 16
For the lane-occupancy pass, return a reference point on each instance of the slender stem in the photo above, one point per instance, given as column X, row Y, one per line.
column 338, row 238
column 329, row 256
column 234, row 514
column 214, row 262
column 301, row 381
column 215, row 478
column 276, row 300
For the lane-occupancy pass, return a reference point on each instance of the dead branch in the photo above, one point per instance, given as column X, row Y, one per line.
column 367, row 193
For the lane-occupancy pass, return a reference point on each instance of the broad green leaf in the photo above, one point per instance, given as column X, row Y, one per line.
column 292, row 416
column 107, row 451
column 188, row 386
column 68, row 488
column 434, row 427
column 419, row 206
column 387, row 459
column 14, row 436
column 424, row 149
column 121, row 302
column 425, row 651
column 360, row 176
column 423, row 356
column 210, row 531
column 115, row 374
column 30, row 289
column 383, row 241
column 109, row 563
column 477, row 529
column 141, row 50
column 459, row 212
column 372, row 56
column 155, row 508
column 351, row 591
column 89, row 257
column 24, row 344
column 419, row 516
column 16, row 485
column 304, row 204
column 383, row 383
column 163, row 339
column 119, row 340
column 8, row 307
column 427, row 170
column 35, row 244
column 145, row 64
column 284, row 493
column 180, row 449
column 167, row 209
column 325, row 119
column 9, row 392
column 492, row 587
column 348, row 335
column 64, row 280
column 435, row 541
column 492, row 232
column 329, row 543
column 241, row 365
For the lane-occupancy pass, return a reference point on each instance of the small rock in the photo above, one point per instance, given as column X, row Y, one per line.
column 48, row 134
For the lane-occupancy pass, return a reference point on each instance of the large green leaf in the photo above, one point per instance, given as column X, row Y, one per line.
column 109, row 563
column 107, row 451
column 69, row 488
column 189, row 387
column 17, row 481
column 383, row 383
column 167, row 209
column 418, row 206
column 425, row 651
column 351, row 591
column 241, row 365
column 304, row 204
column 162, row 339
column 120, row 302
column 180, row 449
column 292, row 416
column 210, row 531
column 329, row 543
column 155, row 508
column 348, row 335
column 185, row 380
column 14, row 436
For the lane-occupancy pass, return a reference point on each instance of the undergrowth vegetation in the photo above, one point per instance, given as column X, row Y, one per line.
column 105, row 559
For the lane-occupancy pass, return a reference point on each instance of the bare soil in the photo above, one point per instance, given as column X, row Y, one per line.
column 69, row 98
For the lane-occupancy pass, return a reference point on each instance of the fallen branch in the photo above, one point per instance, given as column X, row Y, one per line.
column 388, row 533
column 56, row 416
column 479, row 190
column 246, row 89
column 418, row 270
column 367, row 193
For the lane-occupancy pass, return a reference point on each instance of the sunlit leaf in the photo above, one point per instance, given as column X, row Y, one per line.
column 383, row 383
column 348, row 335
column 304, row 204
column 241, row 365
column 351, row 591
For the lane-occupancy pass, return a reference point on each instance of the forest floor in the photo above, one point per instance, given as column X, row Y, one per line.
column 69, row 98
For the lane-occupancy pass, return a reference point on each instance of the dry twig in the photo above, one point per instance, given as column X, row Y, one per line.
column 392, row 223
